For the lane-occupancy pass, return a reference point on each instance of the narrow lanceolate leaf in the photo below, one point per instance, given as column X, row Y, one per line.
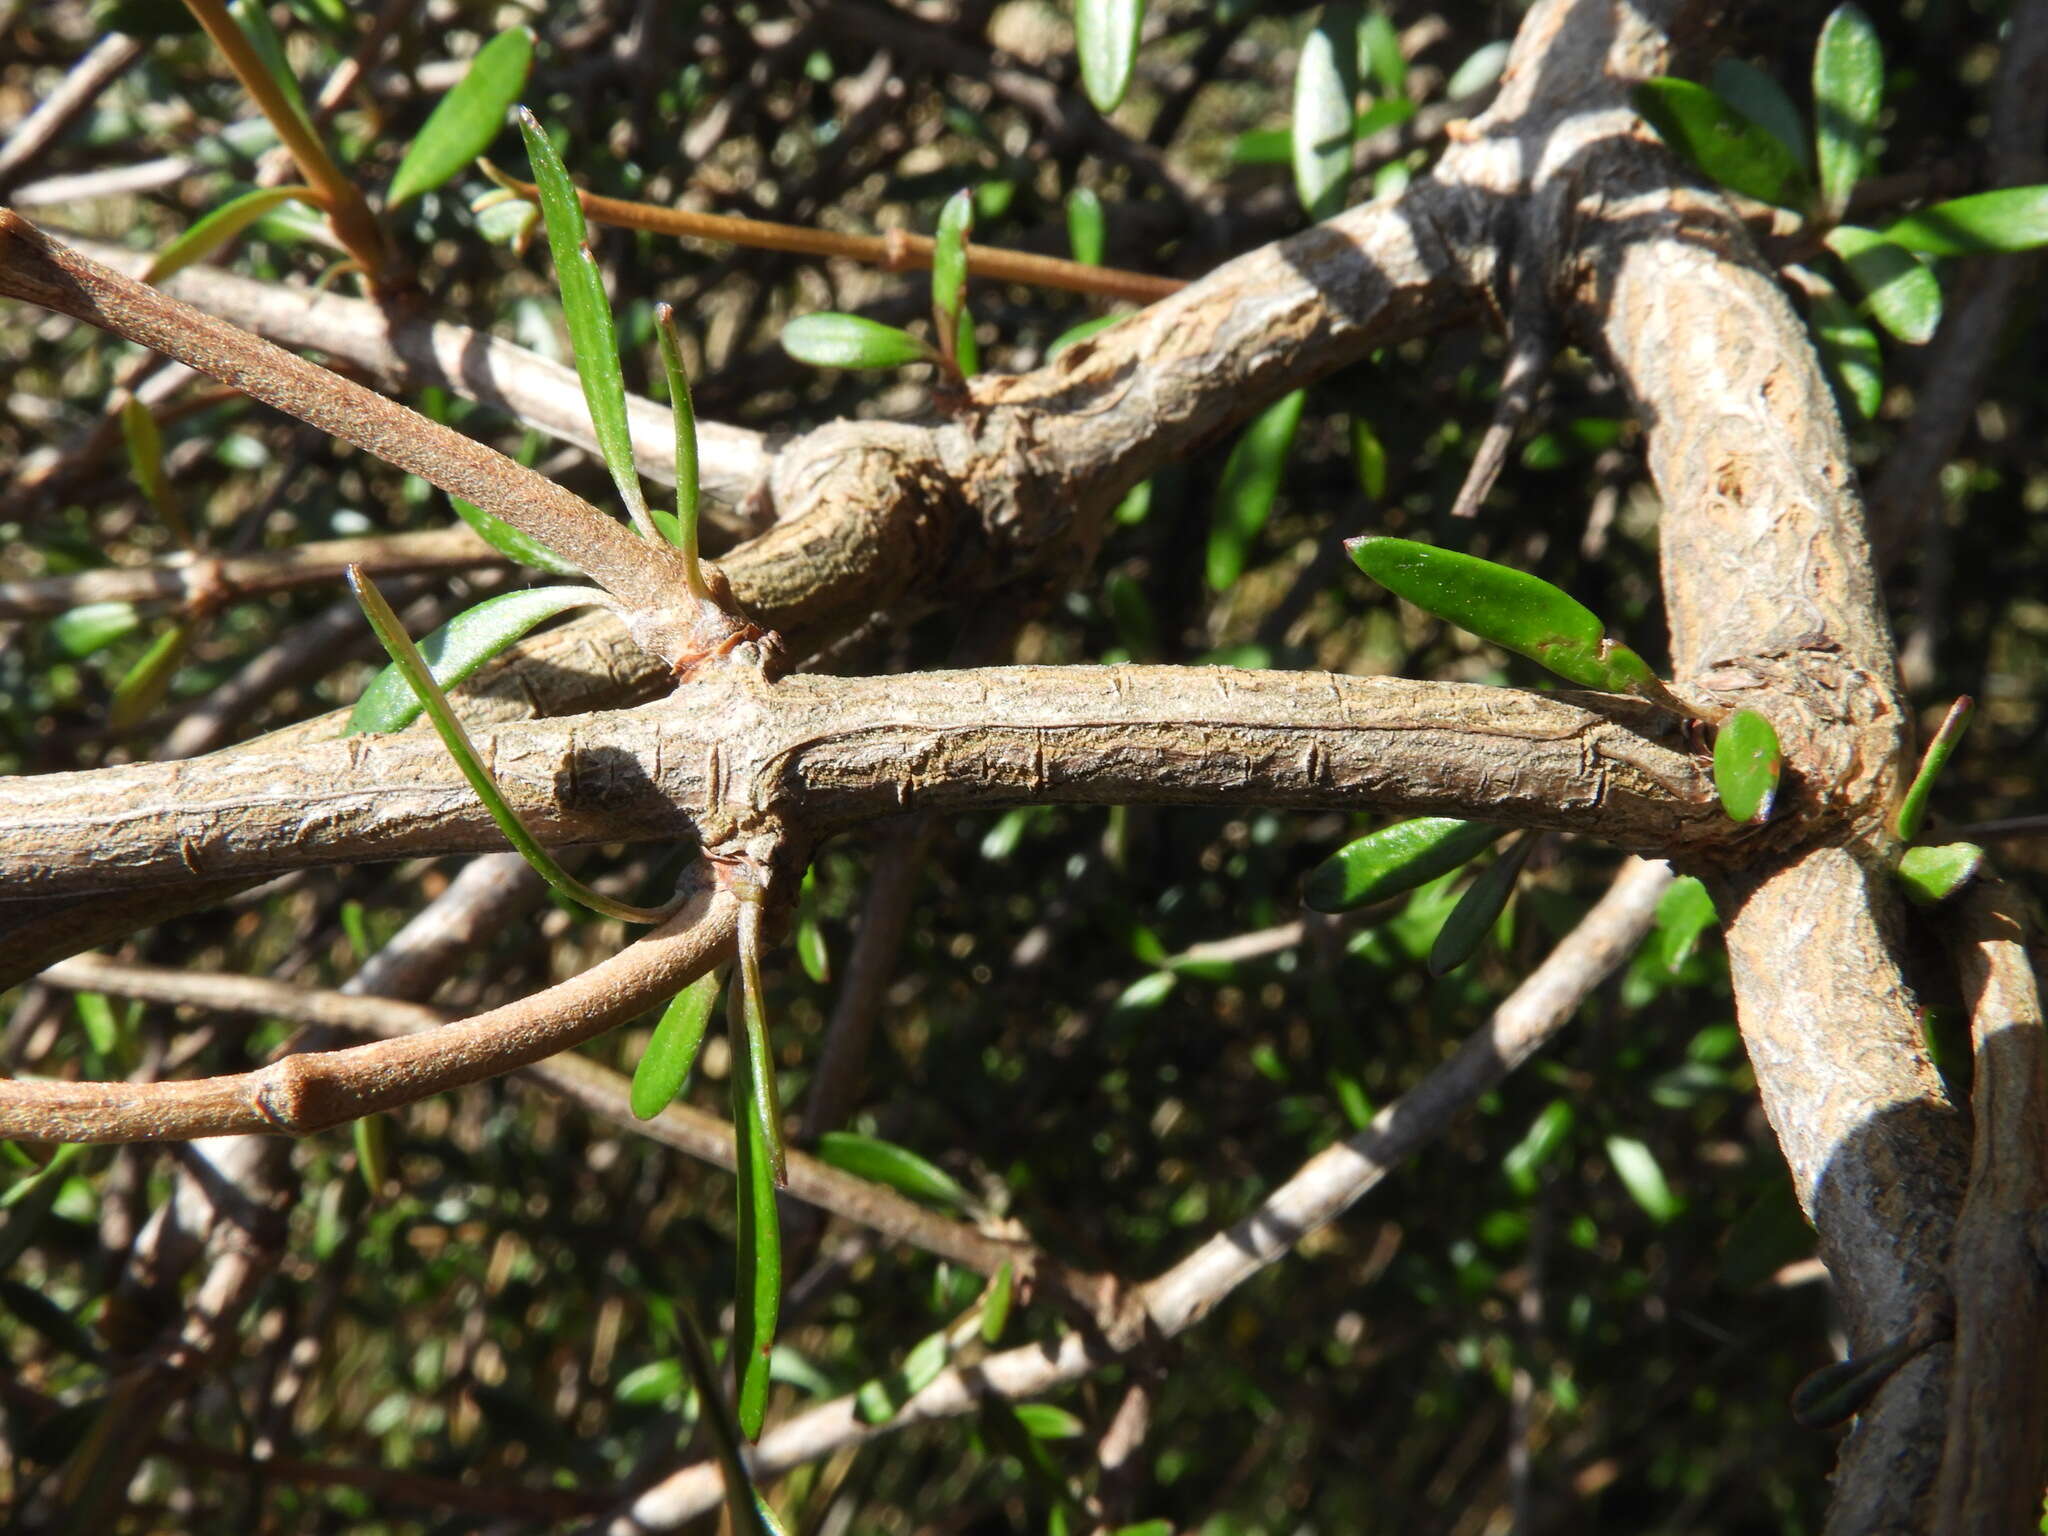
column 829, row 340
column 372, row 1137
column 1897, row 287
column 1636, row 1166
column 1848, row 86
column 995, row 1304
column 146, row 462
column 399, row 647
column 1106, row 37
column 464, row 122
column 1931, row 875
column 1702, row 128
column 1378, row 51
column 588, row 314
column 759, row 1051
column 510, row 542
column 880, row 1400
column 745, row 1507
column 1847, row 346
column 253, row 17
column 1517, row 611
column 684, row 411
column 759, row 1298
column 1396, row 859
column 93, row 626
column 137, row 695
column 883, row 1162
column 966, row 349
column 1087, row 234
column 949, row 261
column 460, row 647
column 1763, row 101
column 2015, row 219
column 1913, row 809
column 211, row 231
column 1325, row 89
column 1479, row 908
column 672, row 1049
column 1251, row 481
column 1747, row 764
column 1839, row 1392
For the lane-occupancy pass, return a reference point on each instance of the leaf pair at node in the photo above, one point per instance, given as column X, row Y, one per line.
column 1932, row 875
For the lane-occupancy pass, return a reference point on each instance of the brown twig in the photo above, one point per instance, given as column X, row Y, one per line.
column 108, row 59
column 897, row 251
column 1322, row 1189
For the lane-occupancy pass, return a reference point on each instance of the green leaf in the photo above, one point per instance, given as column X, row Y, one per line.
column 464, row 121
column 1395, row 859
column 1684, row 912
column 880, row 1400
column 102, row 1028
column 93, row 626
column 145, row 446
column 1932, row 875
column 459, row 649
column 253, row 17
column 1517, row 611
column 1044, row 1421
column 949, row 261
column 748, row 1512
column 883, row 1162
column 1146, row 993
column 1478, row 909
column 593, row 340
column 966, row 350
column 1377, row 48
column 1763, row 101
column 1702, row 128
column 372, row 1137
column 1369, row 459
column 1325, row 91
column 1547, row 1134
column 759, row 1280
column 1847, row 346
column 1747, row 764
column 684, row 410
column 1106, row 37
column 1251, row 481
column 510, row 542
column 1478, row 72
column 137, row 695
column 1087, row 235
column 1897, row 288
column 213, row 230
column 2015, row 219
column 1913, row 808
column 1081, row 332
column 1838, row 1392
column 995, row 1304
column 1848, row 86
column 753, row 1015
column 664, row 1066
column 829, row 340
column 1636, row 1166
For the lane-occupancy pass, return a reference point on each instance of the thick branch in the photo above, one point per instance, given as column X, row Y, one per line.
column 827, row 753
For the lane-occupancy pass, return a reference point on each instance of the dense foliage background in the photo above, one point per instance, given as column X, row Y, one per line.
column 1584, row 1309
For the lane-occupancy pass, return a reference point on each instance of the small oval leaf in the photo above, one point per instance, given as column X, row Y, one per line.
column 214, row 230
column 1847, row 346
column 1513, row 609
column 1897, row 287
column 458, row 648
column 1684, row 913
column 93, row 626
column 1087, row 234
column 1763, row 101
column 1933, row 875
column 1747, row 765
column 1636, row 1166
column 829, row 340
column 1547, row 1133
column 2015, row 219
column 1848, row 85
column 883, row 1162
column 1106, row 37
column 1702, row 128
column 1251, row 481
column 1325, row 89
column 1396, row 859
column 464, row 121
column 664, row 1066
column 1479, row 71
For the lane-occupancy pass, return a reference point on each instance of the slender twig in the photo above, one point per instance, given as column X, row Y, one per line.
column 1995, row 1458
column 1317, row 1193
column 897, row 251
column 108, row 59
column 302, row 1094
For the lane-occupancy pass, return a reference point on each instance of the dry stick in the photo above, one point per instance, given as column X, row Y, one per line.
column 210, row 580
column 1995, row 1458
column 1321, row 1190
column 597, row 1088
column 300, row 1094
column 108, row 59
column 897, row 251
column 647, row 577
